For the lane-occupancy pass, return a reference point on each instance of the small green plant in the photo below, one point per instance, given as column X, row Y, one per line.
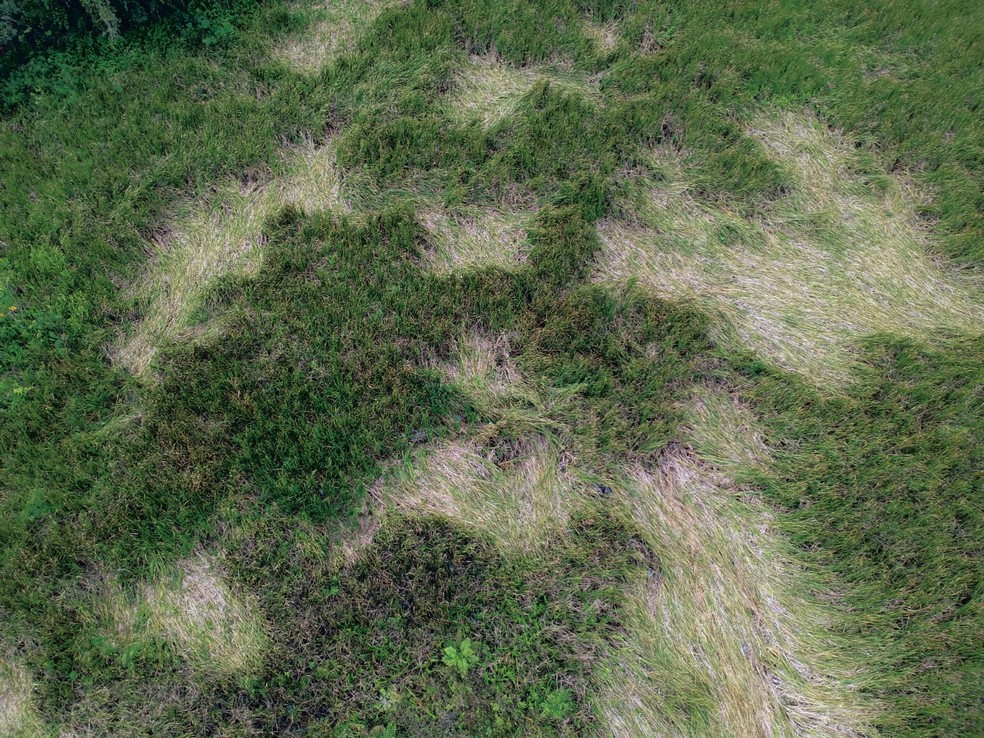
column 558, row 705
column 461, row 657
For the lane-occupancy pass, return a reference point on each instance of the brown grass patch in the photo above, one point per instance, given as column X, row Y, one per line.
column 724, row 620
column 475, row 238
column 488, row 90
column 334, row 28
column 18, row 715
column 520, row 502
column 605, row 35
column 207, row 240
column 314, row 180
column 215, row 630
column 196, row 611
column 834, row 261
column 221, row 236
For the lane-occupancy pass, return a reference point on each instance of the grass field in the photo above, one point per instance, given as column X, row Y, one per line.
column 473, row 368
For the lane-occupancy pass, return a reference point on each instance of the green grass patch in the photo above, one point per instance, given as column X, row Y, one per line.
column 883, row 487
column 257, row 444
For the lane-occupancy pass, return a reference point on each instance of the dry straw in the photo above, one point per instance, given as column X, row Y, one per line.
column 474, row 238
column 334, row 29
column 218, row 236
column 833, row 261
column 189, row 606
column 18, row 714
column 488, row 90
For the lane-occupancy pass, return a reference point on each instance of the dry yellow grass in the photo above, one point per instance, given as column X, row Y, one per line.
column 482, row 366
column 335, row 27
column 220, row 236
column 722, row 619
column 830, row 263
column 519, row 496
column 726, row 621
column 199, row 614
column 484, row 370
column 605, row 35
column 728, row 617
column 475, row 238
column 207, row 240
column 723, row 431
column 18, row 715
column 488, row 90
column 189, row 606
column 314, row 181
column 518, row 502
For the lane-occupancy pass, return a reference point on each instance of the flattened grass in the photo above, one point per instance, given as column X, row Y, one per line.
column 475, row 239
column 831, row 262
column 882, row 487
column 489, row 90
column 331, row 29
column 221, row 236
column 18, row 714
column 224, row 238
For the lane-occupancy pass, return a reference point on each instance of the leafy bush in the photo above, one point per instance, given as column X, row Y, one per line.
column 42, row 38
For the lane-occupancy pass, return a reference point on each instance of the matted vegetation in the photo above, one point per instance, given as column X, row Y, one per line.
column 519, row 368
column 220, row 237
column 488, row 89
column 715, row 639
column 475, row 239
column 18, row 714
column 836, row 259
column 331, row 29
